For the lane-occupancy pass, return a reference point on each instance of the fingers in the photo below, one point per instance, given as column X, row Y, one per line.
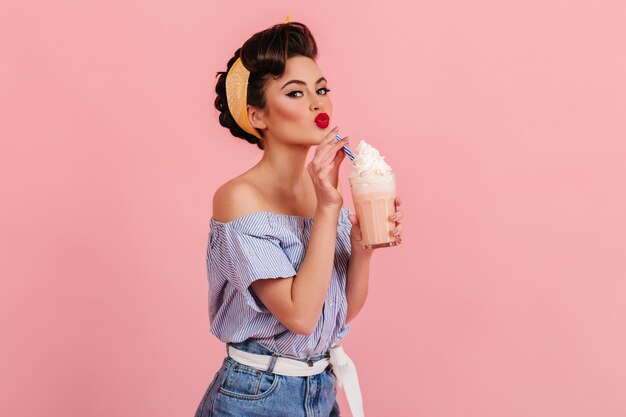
column 330, row 136
column 325, row 155
column 323, row 176
column 333, row 149
column 327, row 167
column 397, row 216
column 328, row 140
column 328, row 143
column 338, row 159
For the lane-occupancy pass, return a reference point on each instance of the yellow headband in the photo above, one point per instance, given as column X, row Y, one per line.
column 237, row 96
column 237, row 93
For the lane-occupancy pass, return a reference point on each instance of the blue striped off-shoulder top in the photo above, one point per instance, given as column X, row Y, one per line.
column 266, row 245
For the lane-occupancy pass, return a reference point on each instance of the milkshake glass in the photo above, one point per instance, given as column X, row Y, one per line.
column 373, row 187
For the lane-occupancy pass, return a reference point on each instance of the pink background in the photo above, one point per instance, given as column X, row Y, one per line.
column 505, row 123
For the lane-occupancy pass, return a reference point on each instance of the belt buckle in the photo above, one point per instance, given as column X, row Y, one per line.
column 310, row 363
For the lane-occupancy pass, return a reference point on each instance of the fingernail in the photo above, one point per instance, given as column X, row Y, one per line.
column 394, row 217
column 396, row 231
column 336, row 128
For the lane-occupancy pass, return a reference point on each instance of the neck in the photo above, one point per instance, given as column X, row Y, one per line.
column 283, row 166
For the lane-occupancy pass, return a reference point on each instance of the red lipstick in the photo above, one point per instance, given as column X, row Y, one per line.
column 322, row 120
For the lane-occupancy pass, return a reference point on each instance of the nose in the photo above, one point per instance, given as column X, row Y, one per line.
column 316, row 103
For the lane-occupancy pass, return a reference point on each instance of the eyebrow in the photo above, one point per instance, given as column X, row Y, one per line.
column 301, row 82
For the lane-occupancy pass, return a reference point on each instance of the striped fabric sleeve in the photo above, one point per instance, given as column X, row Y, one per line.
column 247, row 257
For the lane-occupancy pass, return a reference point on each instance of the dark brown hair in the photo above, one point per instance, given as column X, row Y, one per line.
column 265, row 55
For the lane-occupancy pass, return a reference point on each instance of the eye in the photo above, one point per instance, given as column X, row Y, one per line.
column 323, row 91
column 294, row 93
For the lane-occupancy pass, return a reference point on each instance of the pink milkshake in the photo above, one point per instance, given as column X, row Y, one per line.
column 374, row 192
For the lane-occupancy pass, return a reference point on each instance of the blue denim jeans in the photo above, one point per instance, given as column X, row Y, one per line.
column 241, row 391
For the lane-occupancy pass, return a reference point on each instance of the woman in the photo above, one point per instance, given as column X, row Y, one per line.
column 286, row 270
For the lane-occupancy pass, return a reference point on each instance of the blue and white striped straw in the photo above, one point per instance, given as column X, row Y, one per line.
column 345, row 148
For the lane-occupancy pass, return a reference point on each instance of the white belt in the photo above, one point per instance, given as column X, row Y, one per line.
column 343, row 368
column 283, row 366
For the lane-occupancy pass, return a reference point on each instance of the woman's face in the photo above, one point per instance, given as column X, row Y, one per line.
column 293, row 102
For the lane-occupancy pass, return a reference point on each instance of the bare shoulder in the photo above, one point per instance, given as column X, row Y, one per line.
column 236, row 198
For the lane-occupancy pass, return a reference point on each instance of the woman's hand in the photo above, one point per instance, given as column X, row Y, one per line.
column 355, row 234
column 324, row 170
column 397, row 216
column 356, row 238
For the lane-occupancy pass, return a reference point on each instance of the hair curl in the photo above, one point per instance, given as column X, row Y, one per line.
column 265, row 55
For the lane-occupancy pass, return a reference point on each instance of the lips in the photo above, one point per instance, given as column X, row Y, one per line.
column 322, row 120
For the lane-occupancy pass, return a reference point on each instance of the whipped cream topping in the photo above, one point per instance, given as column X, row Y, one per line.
column 369, row 162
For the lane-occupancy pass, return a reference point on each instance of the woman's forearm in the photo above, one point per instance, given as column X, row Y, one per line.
column 357, row 280
column 310, row 286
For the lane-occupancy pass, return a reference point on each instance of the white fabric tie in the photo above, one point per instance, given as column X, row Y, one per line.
column 343, row 368
column 347, row 378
